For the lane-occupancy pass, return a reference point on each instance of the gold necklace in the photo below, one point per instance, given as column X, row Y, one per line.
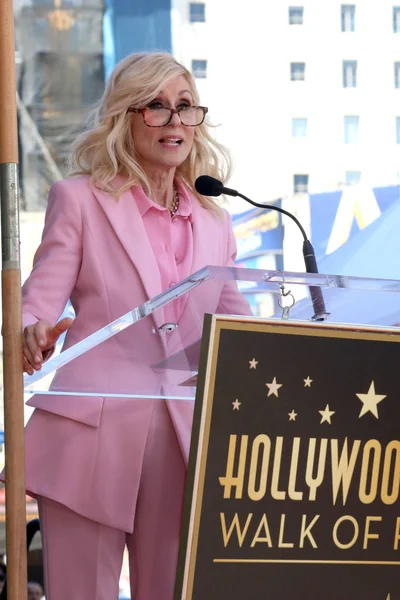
column 175, row 203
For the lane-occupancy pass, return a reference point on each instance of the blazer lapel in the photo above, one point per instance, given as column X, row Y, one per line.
column 124, row 216
column 203, row 248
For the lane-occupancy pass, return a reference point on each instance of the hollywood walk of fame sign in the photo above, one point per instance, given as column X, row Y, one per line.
column 294, row 473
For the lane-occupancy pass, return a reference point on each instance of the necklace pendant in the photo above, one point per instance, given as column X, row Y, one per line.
column 175, row 204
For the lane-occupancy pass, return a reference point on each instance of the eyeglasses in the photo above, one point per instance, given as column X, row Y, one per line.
column 159, row 116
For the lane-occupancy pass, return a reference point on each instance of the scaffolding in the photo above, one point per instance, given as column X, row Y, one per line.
column 60, row 76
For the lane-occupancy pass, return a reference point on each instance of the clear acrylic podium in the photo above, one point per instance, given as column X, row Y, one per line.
column 157, row 350
column 159, row 341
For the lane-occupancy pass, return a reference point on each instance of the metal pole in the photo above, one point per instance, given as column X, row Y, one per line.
column 12, row 321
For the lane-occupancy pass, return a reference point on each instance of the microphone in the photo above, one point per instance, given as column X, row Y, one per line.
column 209, row 186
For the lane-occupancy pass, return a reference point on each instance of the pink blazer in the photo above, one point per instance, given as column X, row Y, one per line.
column 84, row 451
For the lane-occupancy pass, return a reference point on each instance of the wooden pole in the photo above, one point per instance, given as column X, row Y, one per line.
column 12, row 322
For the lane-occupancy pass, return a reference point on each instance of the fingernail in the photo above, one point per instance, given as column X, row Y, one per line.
column 41, row 342
column 38, row 359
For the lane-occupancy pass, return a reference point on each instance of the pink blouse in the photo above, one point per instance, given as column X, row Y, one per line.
column 171, row 240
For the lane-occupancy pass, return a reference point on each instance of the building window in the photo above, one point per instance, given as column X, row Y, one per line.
column 296, row 15
column 197, row 12
column 300, row 184
column 199, row 69
column 396, row 19
column 297, row 71
column 397, row 130
column 351, row 129
column 349, row 73
column 397, row 74
column 353, row 177
column 348, row 14
column 299, row 128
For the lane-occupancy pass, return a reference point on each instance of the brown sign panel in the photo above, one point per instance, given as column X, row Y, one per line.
column 294, row 476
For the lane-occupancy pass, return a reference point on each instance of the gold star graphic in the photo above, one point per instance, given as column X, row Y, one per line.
column 370, row 401
column 326, row 414
column 236, row 404
column 253, row 363
column 273, row 387
column 307, row 382
column 292, row 416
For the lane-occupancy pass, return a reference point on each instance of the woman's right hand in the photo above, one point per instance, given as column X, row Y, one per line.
column 39, row 338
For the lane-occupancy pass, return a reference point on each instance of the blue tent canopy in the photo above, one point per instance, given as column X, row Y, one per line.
column 373, row 252
column 324, row 208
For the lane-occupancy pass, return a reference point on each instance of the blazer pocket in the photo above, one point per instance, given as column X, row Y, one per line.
column 84, row 409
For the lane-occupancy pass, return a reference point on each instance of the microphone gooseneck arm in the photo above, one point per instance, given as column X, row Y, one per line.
column 320, row 313
column 281, row 210
column 209, row 186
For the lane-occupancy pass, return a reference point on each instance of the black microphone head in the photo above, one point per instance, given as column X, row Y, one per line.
column 208, row 186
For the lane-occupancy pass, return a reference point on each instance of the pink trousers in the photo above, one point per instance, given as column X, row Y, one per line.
column 83, row 559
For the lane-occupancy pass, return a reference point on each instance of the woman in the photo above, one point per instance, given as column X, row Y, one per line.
column 110, row 472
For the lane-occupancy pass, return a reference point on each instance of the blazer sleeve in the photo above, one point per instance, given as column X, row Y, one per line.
column 231, row 301
column 57, row 261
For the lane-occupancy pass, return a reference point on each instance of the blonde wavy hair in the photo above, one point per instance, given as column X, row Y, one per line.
column 107, row 148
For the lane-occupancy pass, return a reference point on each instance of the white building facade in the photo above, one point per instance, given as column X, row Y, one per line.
column 307, row 94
